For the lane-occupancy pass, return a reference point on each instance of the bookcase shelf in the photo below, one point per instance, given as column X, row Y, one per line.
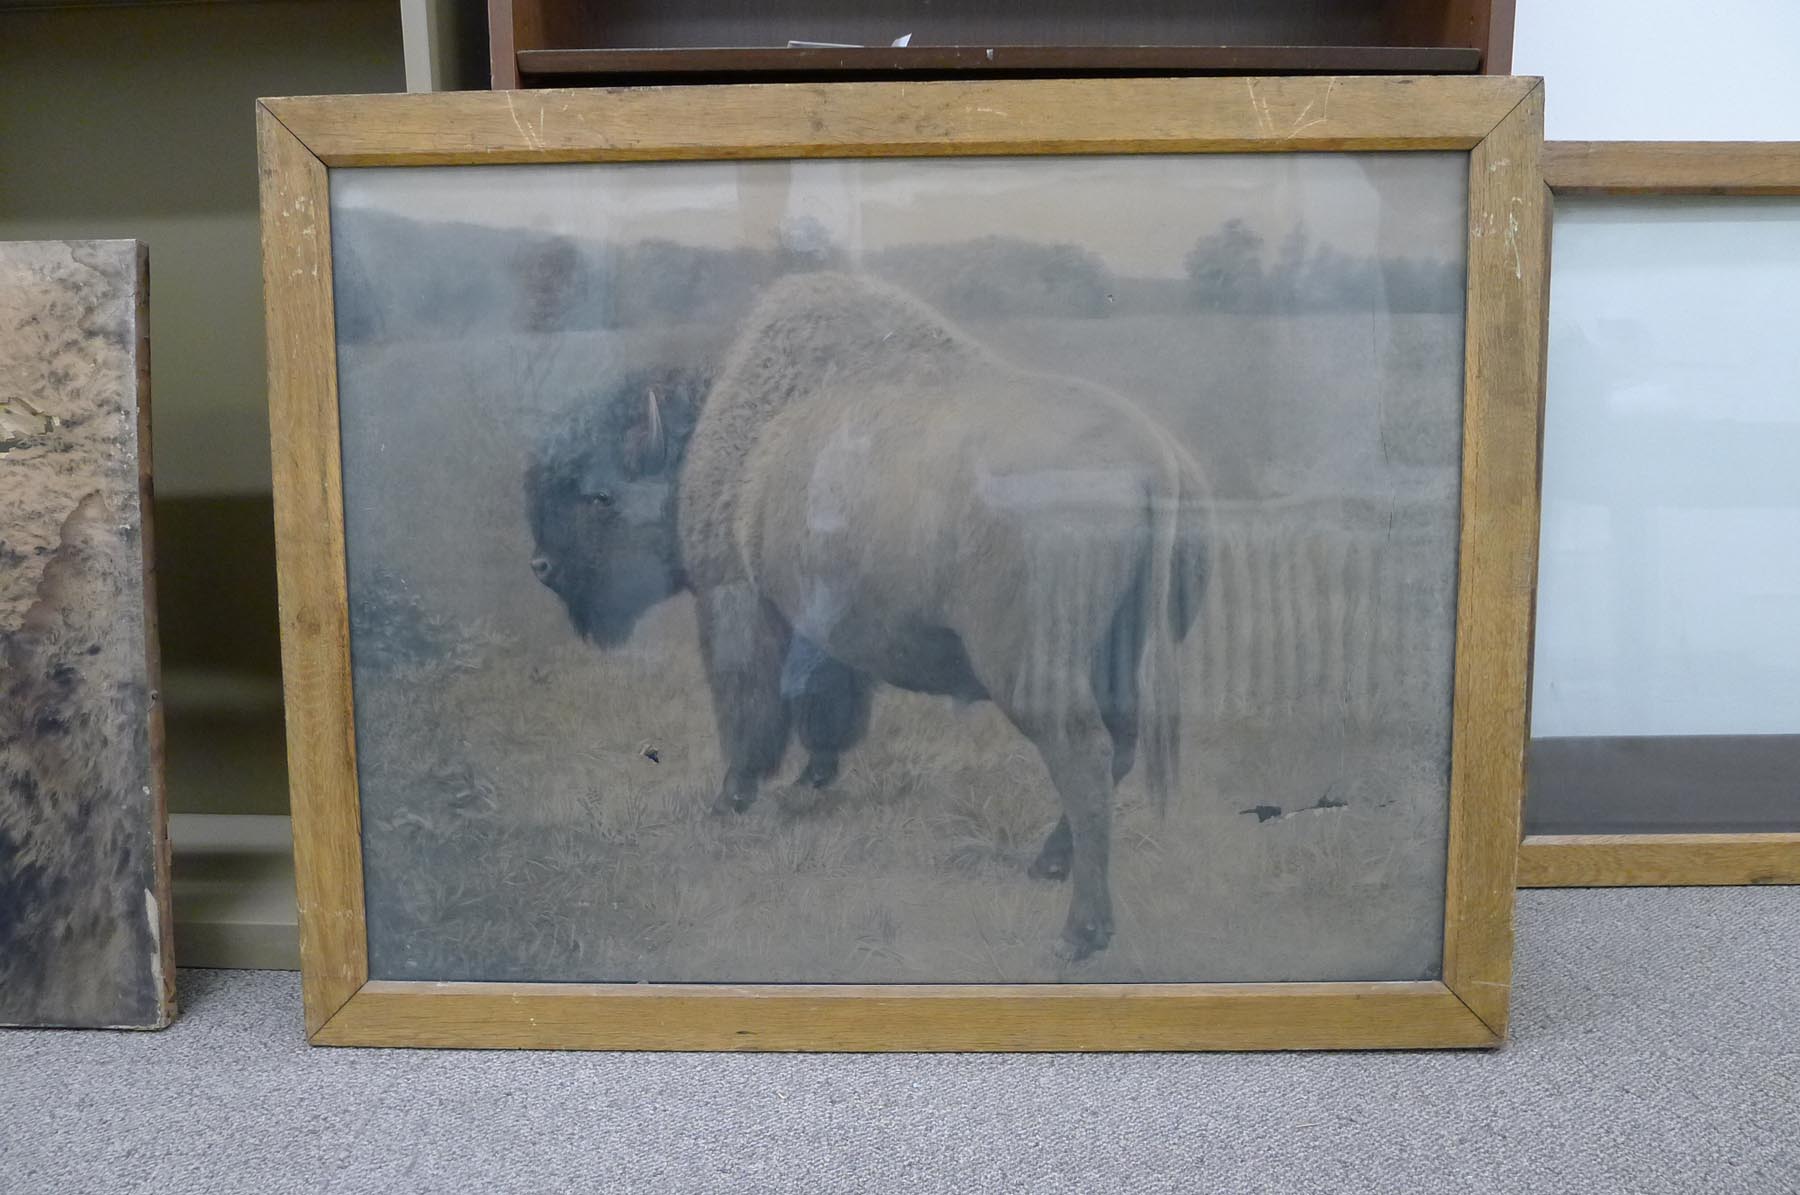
column 600, row 66
column 547, row 43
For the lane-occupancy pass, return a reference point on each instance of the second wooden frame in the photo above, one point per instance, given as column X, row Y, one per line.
column 1665, row 168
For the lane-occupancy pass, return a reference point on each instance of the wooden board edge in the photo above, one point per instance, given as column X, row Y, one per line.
column 1672, row 167
column 904, row 118
column 310, row 576
column 1658, row 860
column 908, row 1019
column 1496, row 576
column 162, row 870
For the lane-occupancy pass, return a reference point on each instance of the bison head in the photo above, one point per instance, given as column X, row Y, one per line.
column 600, row 492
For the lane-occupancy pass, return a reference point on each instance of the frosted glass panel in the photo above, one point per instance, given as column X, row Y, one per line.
column 1667, row 685
column 1669, row 593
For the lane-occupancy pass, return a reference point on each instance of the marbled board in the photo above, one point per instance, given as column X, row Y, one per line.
column 84, row 872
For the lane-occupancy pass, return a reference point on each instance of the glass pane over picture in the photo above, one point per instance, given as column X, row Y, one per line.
column 1667, row 683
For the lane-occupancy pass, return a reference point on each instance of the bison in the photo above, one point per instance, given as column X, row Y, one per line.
column 863, row 494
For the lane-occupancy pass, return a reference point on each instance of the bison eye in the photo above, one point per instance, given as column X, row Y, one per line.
column 601, row 498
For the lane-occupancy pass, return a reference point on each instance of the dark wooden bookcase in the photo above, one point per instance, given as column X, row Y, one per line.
column 555, row 43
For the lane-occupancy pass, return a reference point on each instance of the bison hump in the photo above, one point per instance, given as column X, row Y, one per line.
column 807, row 335
column 810, row 331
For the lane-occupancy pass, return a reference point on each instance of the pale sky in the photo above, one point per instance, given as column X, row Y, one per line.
column 1139, row 213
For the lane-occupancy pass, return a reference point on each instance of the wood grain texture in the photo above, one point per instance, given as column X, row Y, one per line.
column 1498, row 118
column 1291, row 1016
column 1502, row 421
column 1015, row 116
column 1658, row 860
column 1672, row 167
column 309, row 538
column 1491, row 22
column 1485, row 25
column 503, row 59
column 159, row 787
column 551, row 67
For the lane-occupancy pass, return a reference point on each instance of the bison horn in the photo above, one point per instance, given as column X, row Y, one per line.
column 655, row 446
column 647, row 448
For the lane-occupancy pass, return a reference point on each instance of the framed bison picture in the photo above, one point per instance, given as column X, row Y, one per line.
column 960, row 565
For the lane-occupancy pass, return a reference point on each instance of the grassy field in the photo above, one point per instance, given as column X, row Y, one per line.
column 516, row 826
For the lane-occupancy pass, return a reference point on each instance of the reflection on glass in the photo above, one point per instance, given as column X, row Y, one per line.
column 1669, row 586
column 950, row 570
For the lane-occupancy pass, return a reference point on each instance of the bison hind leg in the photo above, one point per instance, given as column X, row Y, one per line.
column 1077, row 751
column 1115, row 685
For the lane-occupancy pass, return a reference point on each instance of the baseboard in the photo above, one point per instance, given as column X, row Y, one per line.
column 234, row 891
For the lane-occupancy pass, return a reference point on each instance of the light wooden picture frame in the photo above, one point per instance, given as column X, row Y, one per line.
column 1497, row 122
column 1584, row 169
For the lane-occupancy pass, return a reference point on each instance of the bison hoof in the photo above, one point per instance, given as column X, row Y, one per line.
column 1082, row 941
column 819, row 771
column 730, row 802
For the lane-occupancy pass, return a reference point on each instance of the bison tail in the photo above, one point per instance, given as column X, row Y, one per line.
column 1190, row 563
column 1160, row 680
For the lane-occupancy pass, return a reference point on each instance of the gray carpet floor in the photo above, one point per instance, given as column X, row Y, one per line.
column 1656, row 1048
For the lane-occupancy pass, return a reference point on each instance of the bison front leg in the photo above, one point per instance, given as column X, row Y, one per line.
column 1052, row 862
column 830, row 704
column 743, row 642
column 1052, row 702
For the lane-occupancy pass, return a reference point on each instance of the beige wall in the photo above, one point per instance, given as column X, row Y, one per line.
column 137, row 121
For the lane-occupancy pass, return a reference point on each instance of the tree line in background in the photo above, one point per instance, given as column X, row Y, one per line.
column 397, row 277
column 1230, row 270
